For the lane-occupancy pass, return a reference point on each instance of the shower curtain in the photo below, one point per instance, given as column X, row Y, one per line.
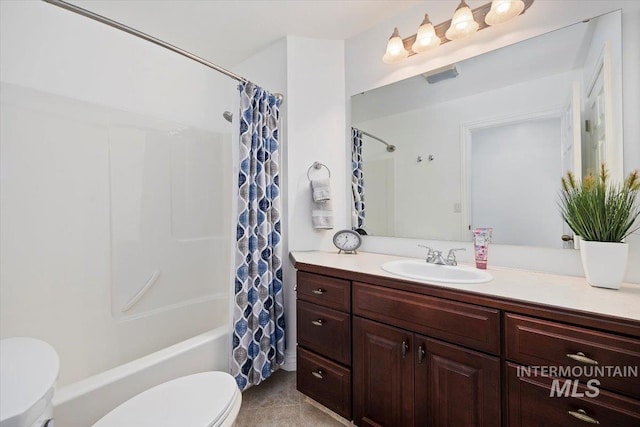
column 357, row 179
column 258, row 312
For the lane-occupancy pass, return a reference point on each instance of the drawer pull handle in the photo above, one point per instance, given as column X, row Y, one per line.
column 420, row 354
column 405, row 348
column 317, row 374
column 319, row 291
column 580, row 357
column 318, row 322
column 582, row 416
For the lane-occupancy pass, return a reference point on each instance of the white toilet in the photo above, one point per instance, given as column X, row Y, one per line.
column 28, row 373
column 207, row 399
column 29, row 369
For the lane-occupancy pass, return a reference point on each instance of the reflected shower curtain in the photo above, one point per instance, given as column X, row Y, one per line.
column 258, row 311
column 357, row 180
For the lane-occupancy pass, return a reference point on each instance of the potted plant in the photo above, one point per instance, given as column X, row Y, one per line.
column 603, row 214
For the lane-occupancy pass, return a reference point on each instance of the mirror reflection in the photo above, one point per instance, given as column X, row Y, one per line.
column 484, row 142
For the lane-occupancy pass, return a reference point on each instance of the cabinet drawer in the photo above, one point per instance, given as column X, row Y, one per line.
column 530, row 405
column 323, row 290
column 325, row 331
column 544, row 343
column 461, row 323
column 324, row 381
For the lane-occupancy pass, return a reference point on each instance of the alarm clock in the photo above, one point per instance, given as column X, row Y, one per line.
column 347, row 241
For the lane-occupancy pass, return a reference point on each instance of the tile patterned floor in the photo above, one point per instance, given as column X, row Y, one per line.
column 277, row 403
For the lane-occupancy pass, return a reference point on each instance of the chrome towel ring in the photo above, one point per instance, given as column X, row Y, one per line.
column 317, row 165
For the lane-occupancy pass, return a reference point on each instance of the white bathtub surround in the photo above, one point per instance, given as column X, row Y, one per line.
column 533, row 287
column 83, row 403
column 77, row 212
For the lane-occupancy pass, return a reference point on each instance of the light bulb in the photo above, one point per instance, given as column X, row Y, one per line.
column 426, row 38
column 503, row 10
column 395, row 49
column 462, row 23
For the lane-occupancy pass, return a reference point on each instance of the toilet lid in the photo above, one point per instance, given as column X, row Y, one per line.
column 199, row 400
column 29, row 370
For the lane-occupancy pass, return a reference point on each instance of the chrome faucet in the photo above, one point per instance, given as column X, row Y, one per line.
column 435, row 257
column 451, row 257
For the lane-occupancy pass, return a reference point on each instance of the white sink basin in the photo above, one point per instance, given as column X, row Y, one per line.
column 437, row 273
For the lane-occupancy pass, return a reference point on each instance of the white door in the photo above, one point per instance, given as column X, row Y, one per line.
column 514, row 179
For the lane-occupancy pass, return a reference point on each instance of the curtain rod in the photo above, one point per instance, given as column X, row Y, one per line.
column 140, row 34
column 374, row 137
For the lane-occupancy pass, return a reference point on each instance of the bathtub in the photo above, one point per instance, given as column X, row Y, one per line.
column 83, row 403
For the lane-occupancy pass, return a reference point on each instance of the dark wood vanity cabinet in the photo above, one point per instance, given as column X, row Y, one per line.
column 404, row 378
column 592, row 393
column 393, row 353
column 324, row 340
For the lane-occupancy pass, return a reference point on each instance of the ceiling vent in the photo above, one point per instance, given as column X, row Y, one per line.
column 439, row 74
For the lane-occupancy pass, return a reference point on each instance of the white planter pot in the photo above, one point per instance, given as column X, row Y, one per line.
column 604, row 263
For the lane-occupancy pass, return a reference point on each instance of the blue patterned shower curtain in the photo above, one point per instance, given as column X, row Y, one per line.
column 258, row 312
column 357, row 179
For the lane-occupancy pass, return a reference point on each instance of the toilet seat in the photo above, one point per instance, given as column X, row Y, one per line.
column 29, row 370
column 207, row 399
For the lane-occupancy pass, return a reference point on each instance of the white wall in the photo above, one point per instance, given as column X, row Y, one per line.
column 315, row 132
column 72, row 89
column 365, row 70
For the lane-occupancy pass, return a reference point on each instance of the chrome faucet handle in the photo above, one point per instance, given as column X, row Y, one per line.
column 451, row 257
column 430, row 252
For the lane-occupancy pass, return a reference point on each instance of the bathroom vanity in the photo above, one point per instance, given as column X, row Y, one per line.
column 387, row 351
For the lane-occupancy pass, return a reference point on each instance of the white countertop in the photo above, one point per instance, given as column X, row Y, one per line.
column 554, row 290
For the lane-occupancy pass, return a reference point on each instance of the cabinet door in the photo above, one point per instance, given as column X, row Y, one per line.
column 382, row 375
column 455, row 386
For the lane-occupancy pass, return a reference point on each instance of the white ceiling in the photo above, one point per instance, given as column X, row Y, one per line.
column 227, row 32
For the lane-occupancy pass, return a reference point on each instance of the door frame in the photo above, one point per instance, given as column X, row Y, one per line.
column 466, row 130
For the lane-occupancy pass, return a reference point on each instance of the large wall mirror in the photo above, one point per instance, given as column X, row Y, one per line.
column 484, row 142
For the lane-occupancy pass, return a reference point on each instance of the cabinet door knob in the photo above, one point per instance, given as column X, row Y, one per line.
column 319, row 291
column 582, row 416
column 318, row 322
column 405, row 348
column 317, row 374
column 580, row 357
column 420, row 354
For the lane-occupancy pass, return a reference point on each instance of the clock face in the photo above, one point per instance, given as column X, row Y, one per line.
column 347, row 240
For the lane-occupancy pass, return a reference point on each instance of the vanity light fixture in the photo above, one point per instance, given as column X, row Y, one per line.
column 426, row 38
column 464, row 23
column 503, row 10
column 396, row 51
